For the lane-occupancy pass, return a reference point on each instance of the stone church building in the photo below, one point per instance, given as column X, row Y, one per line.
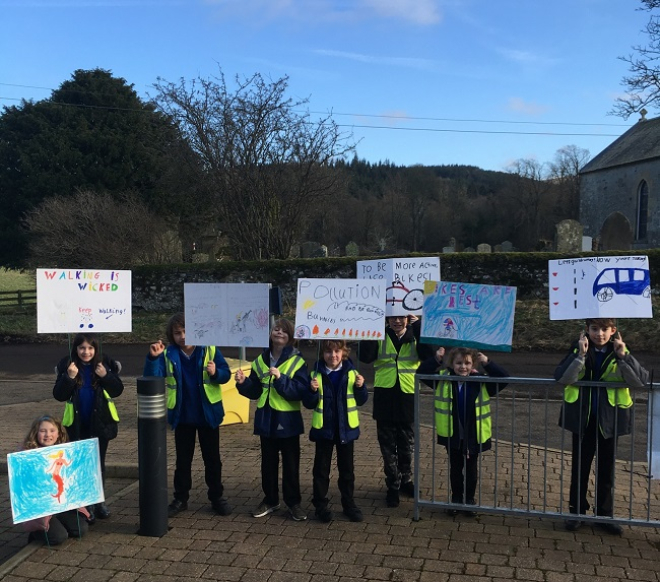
column 620, row 190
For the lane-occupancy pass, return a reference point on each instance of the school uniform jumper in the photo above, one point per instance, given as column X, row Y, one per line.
column 463, row 424
column 194, row 402
column 335, row 425
column 278, row 421
column 596, row 416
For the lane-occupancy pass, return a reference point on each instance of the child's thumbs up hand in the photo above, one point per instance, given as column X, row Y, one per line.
column 72, row 370
column 100, row 370
column 314, row 385
column 210, row 368
column 618, row 346
column 359, row 381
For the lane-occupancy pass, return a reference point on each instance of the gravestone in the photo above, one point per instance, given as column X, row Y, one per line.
column 507, row 247
column 587, row 243
column 484, row 248
column 352, row 249
column 616, row 233
column 568, row 236
column 310, row 250
column 448, row 250
column 497, row 249
column 468, row 250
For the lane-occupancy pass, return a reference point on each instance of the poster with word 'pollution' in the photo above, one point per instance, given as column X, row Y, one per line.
column 83, row 300
column 595, row 287
column 405, row 281
column 50, row 480
column 227, row 314
column 468, row 315
column 350, row 309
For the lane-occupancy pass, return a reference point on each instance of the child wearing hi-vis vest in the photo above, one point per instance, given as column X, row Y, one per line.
column 278, row 382
column 462, row 416
column 338, row 390
column 193, row 375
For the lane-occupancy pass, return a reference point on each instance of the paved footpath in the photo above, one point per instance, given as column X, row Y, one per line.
column 387, row 546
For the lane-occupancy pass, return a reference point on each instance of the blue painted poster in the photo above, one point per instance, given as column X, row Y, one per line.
column 50, row 480
column 469, row 315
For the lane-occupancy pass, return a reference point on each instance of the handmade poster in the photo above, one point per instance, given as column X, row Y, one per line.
column 227, row 314
column 89, row 300
column 50, row 480
column 593, row 287
column 348, row 309
column 469, row 315
column 405, row 281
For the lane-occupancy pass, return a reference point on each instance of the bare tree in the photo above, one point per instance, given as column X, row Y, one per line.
column 268, row 162
column 98, row 230
column 642, row 84
column 565, row 172
column 528, row 200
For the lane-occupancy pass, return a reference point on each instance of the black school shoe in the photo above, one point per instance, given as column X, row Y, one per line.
column 221, row 506
column 407, row 489
column 176, row 506
column 91, row 520
column 392, row 498
column 353, row 513
column 101, row 511
column 324, row 514
column 611, row 528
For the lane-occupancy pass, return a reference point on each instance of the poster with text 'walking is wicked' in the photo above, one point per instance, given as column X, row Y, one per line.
column 350, row 309
column 50, row 480
column 227, row 314
column 405, row 281
column 469, row 315
column 594, row 287
column 83, row 300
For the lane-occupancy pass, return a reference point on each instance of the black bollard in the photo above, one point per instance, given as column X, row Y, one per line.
column 152, row 456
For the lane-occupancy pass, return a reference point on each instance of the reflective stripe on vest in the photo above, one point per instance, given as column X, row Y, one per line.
column 288, row 368
column 70, row 412
column 616, row 396
column 213, row 391
column 444, row 425
column 389, row 365
column 351, row 405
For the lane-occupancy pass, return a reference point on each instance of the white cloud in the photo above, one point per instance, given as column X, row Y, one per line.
column 528, row 108
column 406, row 62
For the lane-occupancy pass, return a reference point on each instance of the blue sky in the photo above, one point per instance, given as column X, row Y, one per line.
column 416, row 81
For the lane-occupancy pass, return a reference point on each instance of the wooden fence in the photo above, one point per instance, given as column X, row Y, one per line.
column 19, row 298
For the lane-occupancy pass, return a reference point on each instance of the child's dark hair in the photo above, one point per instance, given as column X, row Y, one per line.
column 31, row 437
column 177, row 320
column 287, row 327
column 328, row 345
column 81, row 338
column 601, row 322
column 454, row 353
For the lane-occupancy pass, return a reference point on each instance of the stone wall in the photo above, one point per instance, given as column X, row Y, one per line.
column 160, row 288
column 616, row 189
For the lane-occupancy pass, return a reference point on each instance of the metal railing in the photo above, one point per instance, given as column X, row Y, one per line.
column 527, row 472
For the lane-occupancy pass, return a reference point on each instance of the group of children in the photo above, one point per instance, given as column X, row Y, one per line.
column 280, row 383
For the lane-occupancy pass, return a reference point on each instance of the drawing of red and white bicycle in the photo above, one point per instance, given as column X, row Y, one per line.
column 410, row 299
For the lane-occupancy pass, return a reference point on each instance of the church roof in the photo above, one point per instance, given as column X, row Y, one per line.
column 640, row 143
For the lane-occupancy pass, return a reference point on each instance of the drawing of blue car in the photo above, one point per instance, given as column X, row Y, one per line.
column 622, row 281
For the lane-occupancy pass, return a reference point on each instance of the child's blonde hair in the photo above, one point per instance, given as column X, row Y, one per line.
column 31, row 438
